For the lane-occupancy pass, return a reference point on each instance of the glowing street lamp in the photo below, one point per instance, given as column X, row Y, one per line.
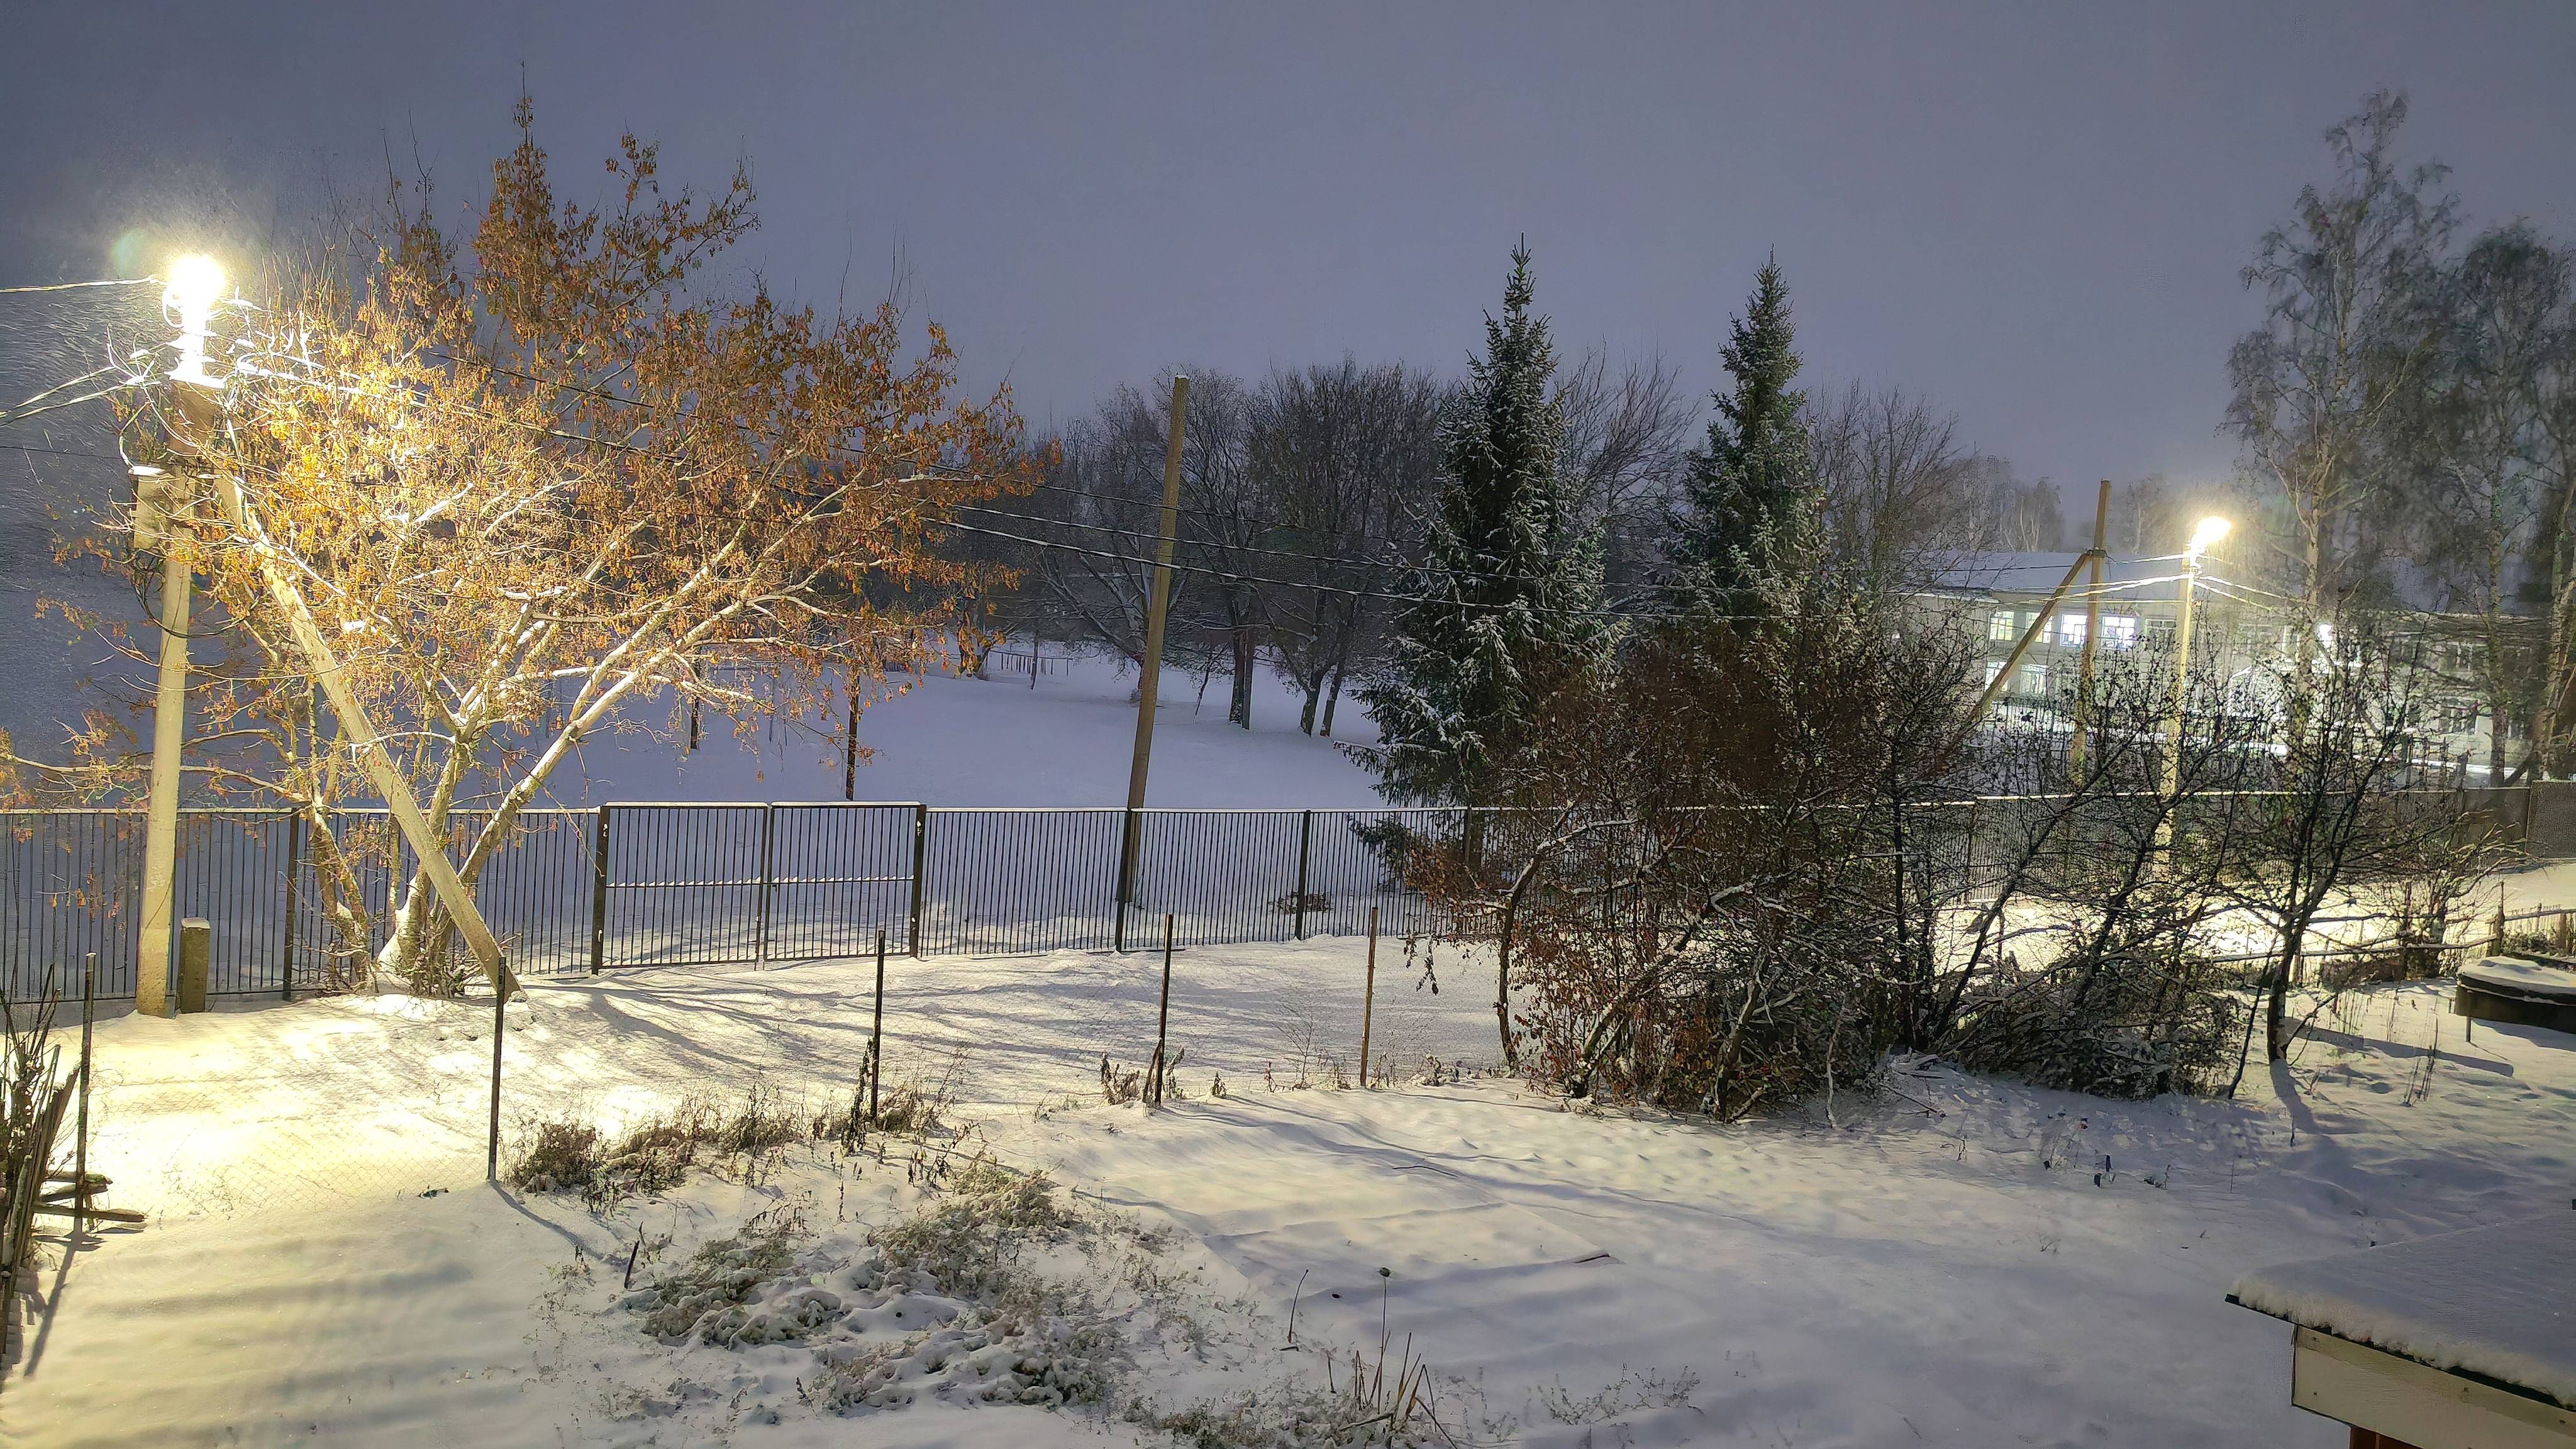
column 2210, row 531
column 193, row 287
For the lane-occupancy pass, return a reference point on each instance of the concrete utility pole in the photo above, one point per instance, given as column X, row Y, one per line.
column 2092, row 632
column 154, row 994
column 1157, row 602
column 194, row 286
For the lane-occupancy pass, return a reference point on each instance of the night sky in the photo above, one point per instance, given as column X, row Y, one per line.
column 2035, row 214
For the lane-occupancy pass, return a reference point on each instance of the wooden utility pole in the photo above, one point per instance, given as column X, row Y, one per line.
column 1157, row 602
column 2092, row 632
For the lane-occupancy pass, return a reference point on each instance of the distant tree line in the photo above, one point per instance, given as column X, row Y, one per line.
column 1319, row 505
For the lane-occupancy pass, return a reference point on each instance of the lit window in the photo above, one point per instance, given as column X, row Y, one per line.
column 2119, row 630
column 2001, row 627
column 1993, row 668
column 2070, row 630
column 2034, row 679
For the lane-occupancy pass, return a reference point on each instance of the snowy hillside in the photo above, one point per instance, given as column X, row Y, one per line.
column 956, row 740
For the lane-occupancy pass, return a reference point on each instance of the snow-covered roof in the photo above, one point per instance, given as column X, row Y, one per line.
column 2150, row 580
column 2496, row 1302
column 2521, row 978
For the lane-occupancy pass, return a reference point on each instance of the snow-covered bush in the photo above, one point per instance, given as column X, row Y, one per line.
column 656, row 1153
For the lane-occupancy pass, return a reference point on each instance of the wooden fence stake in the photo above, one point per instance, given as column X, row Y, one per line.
column 876, row 1032
column 1162, row 1018
column 1368, row 1002
column 500, row 1020
column 80, row 1146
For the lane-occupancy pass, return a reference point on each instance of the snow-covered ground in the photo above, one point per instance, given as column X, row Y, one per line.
column 1957, row 1260
column 957, row 740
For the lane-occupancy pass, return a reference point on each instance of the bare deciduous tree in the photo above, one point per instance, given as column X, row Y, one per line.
column 1347, row 457
column 1628, row 434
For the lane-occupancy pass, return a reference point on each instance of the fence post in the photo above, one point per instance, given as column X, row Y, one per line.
column 599, row 893
column 500, row 1020
column 876, row 1032
column 1368, row 1002
column 760, row 931
column 920, row 856
column 1162, row 1020
column 294, row 865
column 1305, row 850
column 80, row 1146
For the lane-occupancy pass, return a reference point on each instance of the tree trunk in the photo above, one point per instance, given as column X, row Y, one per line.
column 2276, row 1001
column 1239, row 710
column 1333, row 699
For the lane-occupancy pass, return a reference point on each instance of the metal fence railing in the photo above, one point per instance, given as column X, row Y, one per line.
column 702, row 884
column 670, row 884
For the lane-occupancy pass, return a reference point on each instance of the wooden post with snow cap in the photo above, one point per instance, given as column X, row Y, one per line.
column 1158, row 596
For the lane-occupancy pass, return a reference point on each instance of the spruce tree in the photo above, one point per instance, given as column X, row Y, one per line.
column 1508, row 592
column 1747, row 499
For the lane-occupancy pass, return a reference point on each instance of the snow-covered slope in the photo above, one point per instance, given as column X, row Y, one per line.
column 1958, row 1261
column 956, row 740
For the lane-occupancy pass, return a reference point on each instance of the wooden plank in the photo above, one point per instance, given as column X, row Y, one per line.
column 96, row 1214
column 2422, row 1406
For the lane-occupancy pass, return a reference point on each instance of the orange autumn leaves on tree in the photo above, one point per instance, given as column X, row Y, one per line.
column 524, row 477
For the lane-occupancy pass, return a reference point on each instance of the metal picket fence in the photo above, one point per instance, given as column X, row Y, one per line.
column 653, row 884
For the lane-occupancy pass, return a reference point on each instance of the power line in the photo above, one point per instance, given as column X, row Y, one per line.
column 82, row 286
column 1231, row 577
column 1140, row 536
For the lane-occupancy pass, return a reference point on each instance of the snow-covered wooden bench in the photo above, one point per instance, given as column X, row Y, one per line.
column 2462, row 1341
column 2519, row 990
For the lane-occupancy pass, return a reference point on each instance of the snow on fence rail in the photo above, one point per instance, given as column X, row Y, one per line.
column 638, row 884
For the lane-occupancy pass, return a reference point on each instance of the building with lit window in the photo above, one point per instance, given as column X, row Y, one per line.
column 2236, row 626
